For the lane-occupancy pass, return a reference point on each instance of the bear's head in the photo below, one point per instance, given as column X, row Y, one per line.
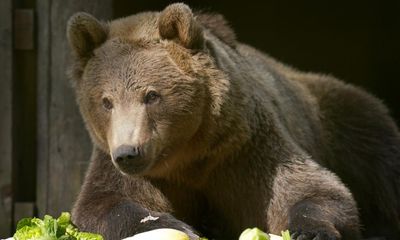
column 143, row 85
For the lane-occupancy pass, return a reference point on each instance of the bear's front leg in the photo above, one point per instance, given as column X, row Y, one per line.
column 315, row 219
column 127, row 219
column 118, row 206
column 116, row 218
column 312, row 203
column 124, row 219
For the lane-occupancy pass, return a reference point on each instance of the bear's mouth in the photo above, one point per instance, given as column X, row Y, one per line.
column 149, row 163
column 131, row 159
column 135, row 167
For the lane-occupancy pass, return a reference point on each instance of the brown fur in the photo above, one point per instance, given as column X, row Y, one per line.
column 218, row 26
column 230, row 139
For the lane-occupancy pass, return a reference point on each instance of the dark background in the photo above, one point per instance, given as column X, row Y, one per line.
column 356, row 41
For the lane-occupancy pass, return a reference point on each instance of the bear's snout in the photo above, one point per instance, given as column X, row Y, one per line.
column 128, row 159
column 125, row 153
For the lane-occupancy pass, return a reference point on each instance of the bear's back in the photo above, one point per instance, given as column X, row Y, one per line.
column 357, row 139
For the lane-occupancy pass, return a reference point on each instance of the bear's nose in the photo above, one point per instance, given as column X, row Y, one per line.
column 124, row 155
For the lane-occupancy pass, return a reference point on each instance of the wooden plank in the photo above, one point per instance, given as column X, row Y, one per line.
column 43, row 82
column 69, row 146
column 23, row 29
column 24, row 105
column 6, row 117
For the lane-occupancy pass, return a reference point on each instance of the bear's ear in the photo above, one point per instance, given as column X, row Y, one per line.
column 85, row 33
column 176, row 22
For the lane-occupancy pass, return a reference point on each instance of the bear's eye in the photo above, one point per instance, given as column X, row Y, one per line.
column 107, row 104
column 151, row 97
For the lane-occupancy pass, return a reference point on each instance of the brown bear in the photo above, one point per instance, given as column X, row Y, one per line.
column 210, row 136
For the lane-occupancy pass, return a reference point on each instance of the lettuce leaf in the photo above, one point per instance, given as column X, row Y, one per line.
column 24, row 222
column 286, row 235
column 28, row 232
column 253, row 234
column 257, row 234
column 51, row 229
column 73, row 232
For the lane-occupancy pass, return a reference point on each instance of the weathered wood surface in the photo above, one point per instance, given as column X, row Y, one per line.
column 6, row 116
column 64, row 146
column 43, row 78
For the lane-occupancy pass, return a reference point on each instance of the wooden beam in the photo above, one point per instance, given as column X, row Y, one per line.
column 6, row 117
column 43, row 82
column 66, row 146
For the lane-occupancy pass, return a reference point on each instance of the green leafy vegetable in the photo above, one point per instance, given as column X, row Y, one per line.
column 51, row 229
column 253, row 234
column 286, row 235
column 257, row 234
column 28, row 233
